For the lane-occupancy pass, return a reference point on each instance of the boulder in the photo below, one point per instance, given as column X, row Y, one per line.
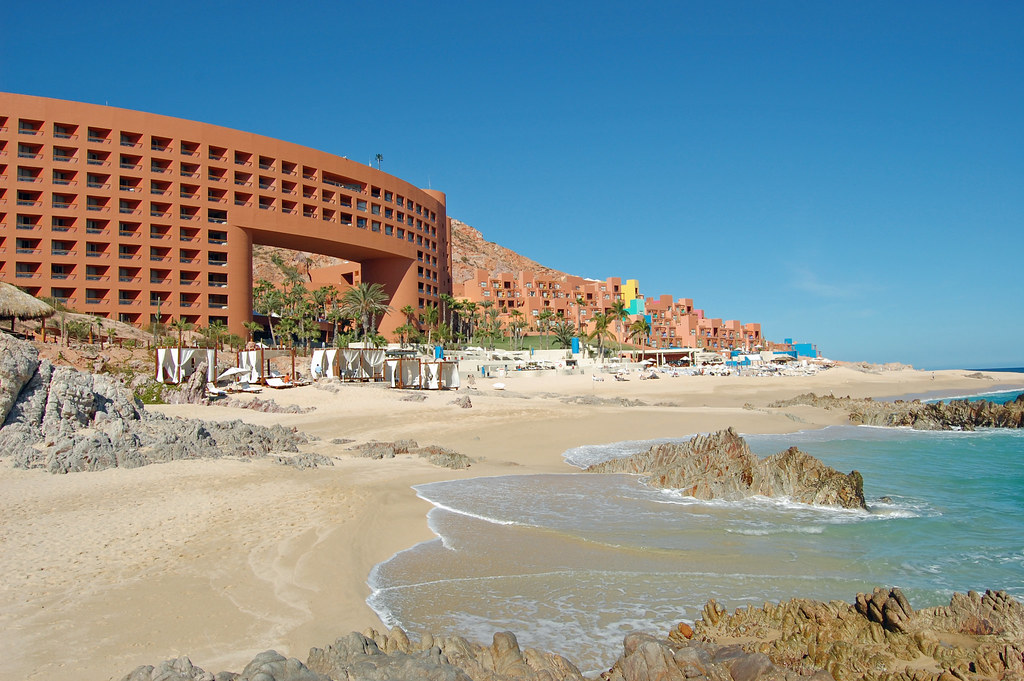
column 66, row 421
column 721, row 466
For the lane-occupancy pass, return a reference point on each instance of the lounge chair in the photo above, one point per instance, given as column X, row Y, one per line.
column 619, row 377
column 213, row 391
column 275, row 382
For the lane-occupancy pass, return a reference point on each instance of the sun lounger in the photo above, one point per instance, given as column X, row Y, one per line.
column 620, row 378
column 213, row 391
column 243, row 387
column 275, row 382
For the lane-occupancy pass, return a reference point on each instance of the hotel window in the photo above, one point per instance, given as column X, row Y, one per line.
column 361, row 205
column 388, row 196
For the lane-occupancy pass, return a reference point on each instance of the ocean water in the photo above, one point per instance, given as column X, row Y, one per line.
column 573, row 562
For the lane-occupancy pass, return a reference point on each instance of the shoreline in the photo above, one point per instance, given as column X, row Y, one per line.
column 222, row 559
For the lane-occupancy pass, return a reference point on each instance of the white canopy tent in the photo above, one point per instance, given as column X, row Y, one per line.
column 402, row 372
column 174, row 365
column 323, row 363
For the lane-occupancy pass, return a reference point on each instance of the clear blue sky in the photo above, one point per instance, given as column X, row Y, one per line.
column 850, row 174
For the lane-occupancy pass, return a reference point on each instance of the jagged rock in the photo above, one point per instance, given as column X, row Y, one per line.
column 595, row 401
column 380, row 657
column 445, row 458
column 954, row 415
column 799, row 640
column 721, row 466
column 192, row 391
column 414, row 397
column 439, row 456
column 66, row 420
column 268, row 406
column 384, row 450
column 305, row 460
column 880, row 637
column 463, row 402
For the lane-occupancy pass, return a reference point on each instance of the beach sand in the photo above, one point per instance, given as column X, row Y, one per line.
column 222, row 559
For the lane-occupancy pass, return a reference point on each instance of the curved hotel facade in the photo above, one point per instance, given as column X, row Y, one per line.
column 140, row 217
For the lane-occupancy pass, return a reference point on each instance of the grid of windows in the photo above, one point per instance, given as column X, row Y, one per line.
column 121, row 217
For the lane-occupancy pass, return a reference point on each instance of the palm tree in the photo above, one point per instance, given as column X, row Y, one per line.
column 469, row 307
column 430, row 318
column 620, row 313
column 380, row 159
column 216, row 330
column 543, row 319
column 269, row 301
column 180, row 325
column 563, row 331
column 446, row 307
column 365, row 302
column 515, row 326
column 601, row 323
column 640, row 329
column 580, row 302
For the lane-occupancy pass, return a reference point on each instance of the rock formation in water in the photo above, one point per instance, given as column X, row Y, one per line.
column 954, row 415
column 879, row 637
column 65, row 420
column 721, row 466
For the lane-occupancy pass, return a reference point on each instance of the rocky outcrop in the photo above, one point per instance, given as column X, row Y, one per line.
column 954, row 415
column 880, row 636
column 268, row 406
column 877, row 638
column 439, row 456
column 721, row 466
column 64, row 420
column 382, row 657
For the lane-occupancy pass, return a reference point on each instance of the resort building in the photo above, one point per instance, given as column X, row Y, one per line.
column 673, row 324
column 141, row 217
column 574, row 298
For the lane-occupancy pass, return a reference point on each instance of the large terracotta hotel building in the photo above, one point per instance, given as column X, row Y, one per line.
column 141, row 217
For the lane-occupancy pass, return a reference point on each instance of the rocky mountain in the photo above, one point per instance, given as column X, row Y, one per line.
column 721, row 466
column 470, row 251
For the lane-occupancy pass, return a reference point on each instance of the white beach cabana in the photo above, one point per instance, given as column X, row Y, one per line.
column 258, row 362
column 358, row 364
column 402, row 372
column 174, row 365
column 324, row 363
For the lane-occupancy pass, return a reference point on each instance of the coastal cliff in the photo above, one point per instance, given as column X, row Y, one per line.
column 954, row 415
column 721, row 466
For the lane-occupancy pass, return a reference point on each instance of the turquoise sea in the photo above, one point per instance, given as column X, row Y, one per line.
column 571, row 563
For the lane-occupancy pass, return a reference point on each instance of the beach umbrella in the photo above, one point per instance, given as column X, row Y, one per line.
column 233, row 371
column 15, row 303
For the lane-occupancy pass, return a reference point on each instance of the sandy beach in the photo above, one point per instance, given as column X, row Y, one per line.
column 222, row 559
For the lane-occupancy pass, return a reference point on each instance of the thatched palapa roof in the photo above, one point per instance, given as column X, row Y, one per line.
column 16, row 303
